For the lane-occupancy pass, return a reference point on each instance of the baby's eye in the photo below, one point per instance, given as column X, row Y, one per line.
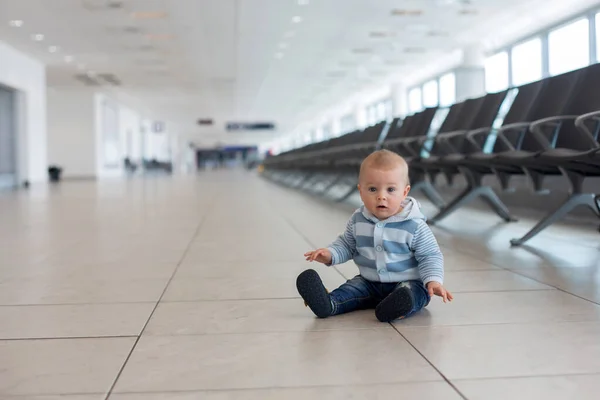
column 391, row 190
column 372, row 189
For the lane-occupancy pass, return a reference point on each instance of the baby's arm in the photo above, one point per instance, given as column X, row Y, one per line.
column 431, row 261
column 344, row 247
column 340, row 251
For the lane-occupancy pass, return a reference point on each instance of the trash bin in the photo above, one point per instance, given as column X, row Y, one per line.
column 54, row 172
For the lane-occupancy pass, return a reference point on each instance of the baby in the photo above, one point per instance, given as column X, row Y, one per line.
column 399, row 260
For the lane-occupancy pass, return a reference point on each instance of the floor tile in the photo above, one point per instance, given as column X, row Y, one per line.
column 218, row 269
column 420, row 390
column 280, row 285
column 489, row 281
column 504, row 308
column 454, row 261
column 580, row 387
column 93, row 320
column 510, row 350
column 61, row 366
column 244, row 361
column 80, row 291
column 243, row 316
column 99, row 396
column 583, row 281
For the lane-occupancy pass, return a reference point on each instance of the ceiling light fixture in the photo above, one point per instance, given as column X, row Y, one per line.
column 283, row 45
column 16, row 23
column 53, row 49
column 409, row 13
column 69, row 59
column 303, row 2
column 297, row 19
column 38, row 37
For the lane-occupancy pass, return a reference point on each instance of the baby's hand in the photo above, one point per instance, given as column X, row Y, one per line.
column 320, row 255
column 439, row 290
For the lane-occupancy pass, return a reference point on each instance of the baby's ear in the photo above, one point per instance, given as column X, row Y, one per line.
column 358, row 186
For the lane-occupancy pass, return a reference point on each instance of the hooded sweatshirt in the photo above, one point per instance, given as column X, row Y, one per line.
column 397, row 249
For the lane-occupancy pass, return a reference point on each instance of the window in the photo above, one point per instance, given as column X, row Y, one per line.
column 447, row 90
column 496, row 72
column 527, row 62
column 347, row 124
column 414, row 100
column 569, row 47
column 430, row 94
column 381, row 111
column 598, row 37
column 110, row 136
column 326, row 132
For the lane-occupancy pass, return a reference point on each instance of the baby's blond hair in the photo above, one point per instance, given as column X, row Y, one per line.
column 385, row 160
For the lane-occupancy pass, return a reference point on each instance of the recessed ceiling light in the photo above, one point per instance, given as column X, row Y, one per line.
column 283, row 45
column 303, row 2
column 53, row 49
column 403, row 12
column 69, row 59
column 149, row 14
column 297, row 19
column 16, row 23
column 37, row 37
column 279, row 56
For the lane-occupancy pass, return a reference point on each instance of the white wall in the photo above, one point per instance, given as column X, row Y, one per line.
column 28, row 76
column 71, row 134
column 130, row 127
column 104, row 107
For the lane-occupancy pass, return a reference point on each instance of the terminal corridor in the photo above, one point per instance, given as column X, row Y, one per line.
column 184, row 288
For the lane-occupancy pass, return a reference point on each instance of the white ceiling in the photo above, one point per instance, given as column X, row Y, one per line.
column 217, row 58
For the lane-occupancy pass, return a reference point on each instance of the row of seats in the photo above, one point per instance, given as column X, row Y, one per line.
column 548, row 127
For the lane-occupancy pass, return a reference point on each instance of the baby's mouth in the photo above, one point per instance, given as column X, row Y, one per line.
column 381, row 207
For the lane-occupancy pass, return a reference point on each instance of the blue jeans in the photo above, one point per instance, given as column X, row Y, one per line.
column 359, row 294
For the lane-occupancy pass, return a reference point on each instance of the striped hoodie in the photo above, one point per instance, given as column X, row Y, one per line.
column 397, row 249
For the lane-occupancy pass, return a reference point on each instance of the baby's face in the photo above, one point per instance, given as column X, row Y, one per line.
column 383, row 191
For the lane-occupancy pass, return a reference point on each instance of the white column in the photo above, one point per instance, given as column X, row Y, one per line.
column 470, row 75
column 72, row 132
column 399, row 100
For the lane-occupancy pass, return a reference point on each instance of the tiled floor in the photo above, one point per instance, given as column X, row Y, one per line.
column 184, row 288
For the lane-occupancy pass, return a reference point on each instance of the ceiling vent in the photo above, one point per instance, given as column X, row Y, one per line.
column 98, row 80
column 87, row 80
column 110, row 79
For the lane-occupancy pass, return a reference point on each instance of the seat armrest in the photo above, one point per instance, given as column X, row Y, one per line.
column 581, row 121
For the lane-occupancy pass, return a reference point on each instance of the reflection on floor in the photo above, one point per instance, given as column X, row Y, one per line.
column 184, row 288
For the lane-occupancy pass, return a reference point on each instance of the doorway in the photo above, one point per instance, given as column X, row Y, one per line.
column 8, row 138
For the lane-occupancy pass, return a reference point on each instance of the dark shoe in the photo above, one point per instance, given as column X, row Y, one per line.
column 313, row 292
column 396, row 305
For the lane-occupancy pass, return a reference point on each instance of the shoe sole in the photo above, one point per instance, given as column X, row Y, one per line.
column 396, row 305
column 313, row 292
